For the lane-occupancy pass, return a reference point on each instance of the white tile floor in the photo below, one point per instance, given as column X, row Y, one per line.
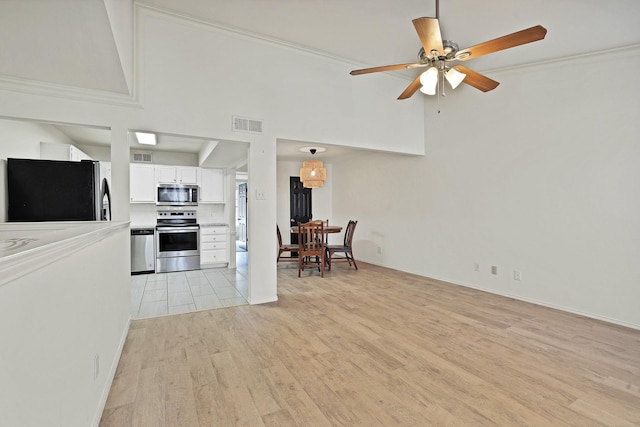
column 186, row 291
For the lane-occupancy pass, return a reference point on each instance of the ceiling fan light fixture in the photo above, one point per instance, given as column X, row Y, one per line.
column 454, row 77
column 429, row 81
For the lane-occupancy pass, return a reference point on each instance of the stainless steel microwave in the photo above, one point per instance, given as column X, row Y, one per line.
column 177, row 195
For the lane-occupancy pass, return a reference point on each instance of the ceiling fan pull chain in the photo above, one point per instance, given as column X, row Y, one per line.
column 441, row 76
column 438, row 96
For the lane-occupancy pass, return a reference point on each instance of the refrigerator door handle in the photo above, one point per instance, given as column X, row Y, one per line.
column 105, row 201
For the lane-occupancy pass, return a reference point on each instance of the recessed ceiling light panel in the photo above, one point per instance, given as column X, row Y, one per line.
column 146, row 138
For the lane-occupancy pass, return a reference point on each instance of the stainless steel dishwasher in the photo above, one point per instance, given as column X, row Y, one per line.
column 143, row 255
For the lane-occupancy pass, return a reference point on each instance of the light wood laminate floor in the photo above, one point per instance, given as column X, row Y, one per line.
column 376, row 347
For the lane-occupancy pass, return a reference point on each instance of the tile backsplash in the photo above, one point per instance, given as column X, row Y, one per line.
column 144, row 214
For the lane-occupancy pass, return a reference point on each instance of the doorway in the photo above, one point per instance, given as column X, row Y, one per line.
column 241, row 217
column 299, row 204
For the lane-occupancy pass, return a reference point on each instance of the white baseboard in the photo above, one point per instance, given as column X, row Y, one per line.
column 549, row 305
column 263, row 301
column 111, row 375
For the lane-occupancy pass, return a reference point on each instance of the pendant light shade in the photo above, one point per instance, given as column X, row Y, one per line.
column 312, row 173
column 429, row 81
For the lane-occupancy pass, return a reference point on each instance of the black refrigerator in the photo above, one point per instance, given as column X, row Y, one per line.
column 52, row 190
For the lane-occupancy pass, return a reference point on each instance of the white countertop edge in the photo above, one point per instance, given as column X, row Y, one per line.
column 76, row 237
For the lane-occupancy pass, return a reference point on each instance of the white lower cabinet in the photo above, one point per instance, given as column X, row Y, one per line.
column 214, row 248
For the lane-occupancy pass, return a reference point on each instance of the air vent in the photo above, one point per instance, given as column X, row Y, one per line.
column 142, row 157
column 244, row 124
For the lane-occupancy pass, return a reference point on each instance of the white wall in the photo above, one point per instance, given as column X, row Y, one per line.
column 169, row 157
column 54, row 321
column 199, row 75
column 100, row 153
column 540, row 175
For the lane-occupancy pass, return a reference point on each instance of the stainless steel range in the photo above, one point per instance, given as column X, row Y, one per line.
column 177, row 240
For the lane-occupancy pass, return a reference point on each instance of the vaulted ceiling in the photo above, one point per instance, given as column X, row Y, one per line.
column 89, row 43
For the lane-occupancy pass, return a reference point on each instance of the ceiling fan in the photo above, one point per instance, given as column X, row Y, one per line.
column 438, row 56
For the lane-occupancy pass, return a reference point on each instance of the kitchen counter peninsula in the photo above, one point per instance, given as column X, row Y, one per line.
column 64, row 316
column 28, row 246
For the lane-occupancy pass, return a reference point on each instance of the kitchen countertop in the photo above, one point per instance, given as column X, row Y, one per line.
column 142, row 226
column 25, row 246
column 202, row 224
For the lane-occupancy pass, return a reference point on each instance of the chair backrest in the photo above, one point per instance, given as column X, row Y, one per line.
column 279, row 236
column 348, row 233
column 311, row 239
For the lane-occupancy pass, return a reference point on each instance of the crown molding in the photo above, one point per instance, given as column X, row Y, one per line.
column 607, row 53
column 196, row 22
column 37, row 87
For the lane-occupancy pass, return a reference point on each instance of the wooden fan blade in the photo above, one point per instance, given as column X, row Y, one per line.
column 505, row 42
column 411, row 89
column 429, row 32
column 385, row 68
column 477, row 80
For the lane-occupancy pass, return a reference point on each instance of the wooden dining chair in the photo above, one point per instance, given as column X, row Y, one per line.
column 282, row 248
column 346, row 248
column 312, row 242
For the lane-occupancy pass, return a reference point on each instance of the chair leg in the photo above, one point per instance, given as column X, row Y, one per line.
column 322, row 271
column 352, row 259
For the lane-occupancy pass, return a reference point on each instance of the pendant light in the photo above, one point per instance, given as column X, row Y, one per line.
column 312, row 173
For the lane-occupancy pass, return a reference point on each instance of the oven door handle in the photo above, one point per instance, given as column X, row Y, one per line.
column 177, row 229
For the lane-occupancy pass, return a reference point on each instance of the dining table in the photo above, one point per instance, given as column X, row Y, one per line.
column 328, row 229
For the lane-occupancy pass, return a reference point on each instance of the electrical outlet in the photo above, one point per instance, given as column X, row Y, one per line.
column 379, row 250
column 494, row 269
column 517, row 275
column 476, row 266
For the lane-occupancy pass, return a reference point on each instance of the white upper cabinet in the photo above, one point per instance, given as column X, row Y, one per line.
column 145, row 178
column 142, row 183
column 211, row 183
column 76, row 154
column 177, row 174
column 187, row 175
